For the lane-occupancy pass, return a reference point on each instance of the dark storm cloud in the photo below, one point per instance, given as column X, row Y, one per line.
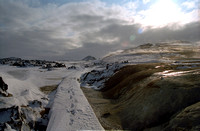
column 75, row 30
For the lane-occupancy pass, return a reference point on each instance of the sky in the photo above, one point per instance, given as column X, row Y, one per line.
column 73, row 29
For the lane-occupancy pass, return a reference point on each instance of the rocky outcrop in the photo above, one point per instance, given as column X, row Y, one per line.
column 19, row 64
column 153, row 97
column 71, row 67
column 26, row 63
column 95, row 78
column 30, row 117
column 187, row 119
column 3, row 88
column 148, row 99
column 57, row 65
column 10, row 115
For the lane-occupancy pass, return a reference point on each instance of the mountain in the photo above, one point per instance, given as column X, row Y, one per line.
column 89, row 58
column 156, row 52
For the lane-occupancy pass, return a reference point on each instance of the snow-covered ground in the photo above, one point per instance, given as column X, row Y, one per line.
column 69, row 108
column 24, row 83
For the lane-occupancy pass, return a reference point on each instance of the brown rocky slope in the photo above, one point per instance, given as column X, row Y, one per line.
column 150, row 97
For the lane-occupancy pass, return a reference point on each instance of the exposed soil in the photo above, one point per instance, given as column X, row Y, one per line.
column 102, row 108
column 48, row 89
column 146, row 96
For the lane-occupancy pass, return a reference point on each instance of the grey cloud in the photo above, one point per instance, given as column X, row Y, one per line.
column 30, row 44
column 17, row 14
column 189, row 32
column 95, row 49
column 74, row 30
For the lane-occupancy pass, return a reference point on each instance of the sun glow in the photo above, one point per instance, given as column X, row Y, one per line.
column 162, row 13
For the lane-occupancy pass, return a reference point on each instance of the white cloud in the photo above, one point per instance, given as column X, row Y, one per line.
column 146, row 1
column 189, row 4
column 163, row 13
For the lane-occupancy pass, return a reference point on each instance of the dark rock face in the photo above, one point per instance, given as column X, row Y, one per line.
column 3, row 88
column 3, row 85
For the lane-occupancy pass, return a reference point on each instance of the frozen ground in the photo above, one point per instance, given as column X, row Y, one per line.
column 69, row 109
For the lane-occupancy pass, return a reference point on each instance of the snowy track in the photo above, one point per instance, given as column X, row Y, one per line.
column 71, row 110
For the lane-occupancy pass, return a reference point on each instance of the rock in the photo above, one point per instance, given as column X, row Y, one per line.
column 3, row 85
column 4, row 88
column 145, row 46
column 72, row 67
column 144, row 101
column 24, row 63
column 187, row 119
column 19, row 64
column 154, row 106
column 89, row 58
column 58, row 65
column 12, row 116
column 35, row 104
column 47, row 66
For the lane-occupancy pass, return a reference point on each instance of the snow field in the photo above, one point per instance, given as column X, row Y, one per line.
column 70, row 110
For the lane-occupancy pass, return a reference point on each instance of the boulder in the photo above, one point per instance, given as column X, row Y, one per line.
column 3, row 85
column 3, row 88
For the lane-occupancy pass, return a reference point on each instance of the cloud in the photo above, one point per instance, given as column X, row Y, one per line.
column 146, row 1
column 124, row 33
column 189, row 32
column 31, row 29
column 95, row 49
column 189, row 4
column 162, row 13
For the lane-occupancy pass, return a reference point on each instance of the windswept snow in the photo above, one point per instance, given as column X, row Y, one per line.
column 70, row 109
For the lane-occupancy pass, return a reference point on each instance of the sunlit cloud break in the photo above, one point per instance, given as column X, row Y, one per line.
column 69, row 29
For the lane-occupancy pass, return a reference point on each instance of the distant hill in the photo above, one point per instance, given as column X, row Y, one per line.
column 88, row 58
column 155, row 52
